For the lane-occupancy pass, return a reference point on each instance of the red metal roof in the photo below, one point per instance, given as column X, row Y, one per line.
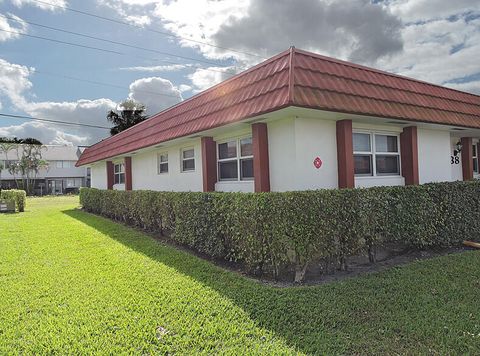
column 297, row 78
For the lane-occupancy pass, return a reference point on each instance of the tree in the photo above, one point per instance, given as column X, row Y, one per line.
column 131, row 113
column 16, row 140
column 28, row 162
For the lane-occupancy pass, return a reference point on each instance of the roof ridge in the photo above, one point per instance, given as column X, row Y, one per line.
column 291, row 76
column 375, row 70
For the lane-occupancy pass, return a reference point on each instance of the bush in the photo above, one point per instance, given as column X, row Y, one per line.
column 19, row 196
column 277, row 232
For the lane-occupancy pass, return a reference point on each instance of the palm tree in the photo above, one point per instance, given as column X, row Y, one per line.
column 131, row 113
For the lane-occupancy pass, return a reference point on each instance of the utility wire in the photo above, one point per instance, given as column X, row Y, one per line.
column 112, row 42
column 99, row 83
column 104, row 50
column 53, row 121
column 85, row 13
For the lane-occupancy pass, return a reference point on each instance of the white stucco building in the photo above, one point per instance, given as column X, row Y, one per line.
column 61, row 176
column 297, row 121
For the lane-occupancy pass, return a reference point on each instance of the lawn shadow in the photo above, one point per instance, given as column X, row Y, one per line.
column 350, row 316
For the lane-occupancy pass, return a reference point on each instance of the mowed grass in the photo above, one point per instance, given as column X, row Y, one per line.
column 75, row 283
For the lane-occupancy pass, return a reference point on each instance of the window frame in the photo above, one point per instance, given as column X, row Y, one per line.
column 119, row 173
column 237, row 159
column 159, row 162
column 182, row 159
column 373, row 154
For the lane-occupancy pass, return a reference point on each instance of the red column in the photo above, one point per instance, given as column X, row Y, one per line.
column 409, row 155
column 346, row 175
column 467, row 158
column 128, row 173
column 209, row 164
column 109, row 175
column 261, row 168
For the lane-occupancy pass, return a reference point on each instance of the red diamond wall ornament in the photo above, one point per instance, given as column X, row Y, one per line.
column 317, row 162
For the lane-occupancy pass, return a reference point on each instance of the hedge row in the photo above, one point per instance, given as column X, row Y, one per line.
column 279, row 232
column 19, row 196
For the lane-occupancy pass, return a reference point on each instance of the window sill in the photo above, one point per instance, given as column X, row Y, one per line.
column 378, row 177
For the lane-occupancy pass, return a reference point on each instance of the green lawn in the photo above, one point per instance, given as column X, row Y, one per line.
column 71, row 282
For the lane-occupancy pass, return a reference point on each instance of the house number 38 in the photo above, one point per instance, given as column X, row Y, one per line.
column 455, row 160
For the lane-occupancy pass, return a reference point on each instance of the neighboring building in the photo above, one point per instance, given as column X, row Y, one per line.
column 61, row 176
column 298, row 121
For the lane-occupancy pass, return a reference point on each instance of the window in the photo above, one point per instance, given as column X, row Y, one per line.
column 163, row 163
column 64, row 164
column 475, row 158
column 235, row 159
column 376, row 154
column 188, row 160
column 119, row 173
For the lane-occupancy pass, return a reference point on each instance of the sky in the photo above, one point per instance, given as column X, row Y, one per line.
column 162, row 52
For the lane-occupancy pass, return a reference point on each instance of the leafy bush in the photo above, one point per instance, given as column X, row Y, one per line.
column 278, row 232
column 19, row 196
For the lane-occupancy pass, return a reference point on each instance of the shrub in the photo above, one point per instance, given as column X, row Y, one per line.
column 286, row 232
column 19, row 196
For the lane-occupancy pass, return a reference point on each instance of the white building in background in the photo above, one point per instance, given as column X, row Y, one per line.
column 294, row 122
column 61, row 176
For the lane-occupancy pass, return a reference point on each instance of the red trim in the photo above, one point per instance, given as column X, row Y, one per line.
column 467, row 158
column 346, row 175
column 209, row 164
column 128, row 173
column 409, row 154
column 261, row 167
column 110, row 176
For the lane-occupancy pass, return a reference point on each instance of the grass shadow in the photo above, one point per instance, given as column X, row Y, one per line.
column 390, row 312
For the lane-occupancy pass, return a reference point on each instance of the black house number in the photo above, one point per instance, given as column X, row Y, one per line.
column 454, row 159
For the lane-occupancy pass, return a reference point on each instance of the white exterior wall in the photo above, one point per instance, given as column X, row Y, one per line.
column 145, row 173
column 98, row 175
column 434, row 152
column 293, row 145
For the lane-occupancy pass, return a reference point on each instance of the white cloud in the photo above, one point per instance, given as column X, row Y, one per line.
column 438, row 51
column 184, row 87
column 44, row 133
column 42, row 5
column 5, row 25
column 14, row 81
column 421, row 10
column 471, row 87
column 155, row 93
column 205, row 78
column 163, row 68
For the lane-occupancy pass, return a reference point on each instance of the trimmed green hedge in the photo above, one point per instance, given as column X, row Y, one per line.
column 19, row 196
column 285, row 232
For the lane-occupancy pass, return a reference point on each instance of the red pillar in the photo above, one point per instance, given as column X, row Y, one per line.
column 128, row 173
column 109, row 175
column 209, row 164
column 409, row 154
column 346, row 175
column 467, row 158
column 261, row 168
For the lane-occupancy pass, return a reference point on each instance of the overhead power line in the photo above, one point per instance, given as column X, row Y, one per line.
column 164, row 33
column 53, row 121
column 73, row 44
column 112, row 42
column 100, row 83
